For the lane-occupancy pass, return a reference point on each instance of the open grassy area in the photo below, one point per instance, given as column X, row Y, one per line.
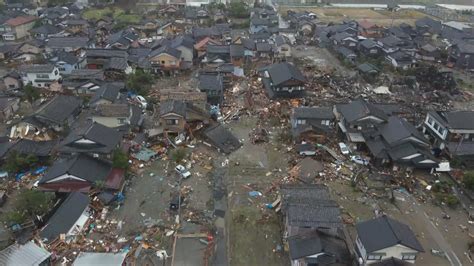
column 379, row 17
column 117, row 13
column 251, row 237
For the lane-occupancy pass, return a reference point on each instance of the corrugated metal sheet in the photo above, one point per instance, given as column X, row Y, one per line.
column 103, row 259
column 28, row 254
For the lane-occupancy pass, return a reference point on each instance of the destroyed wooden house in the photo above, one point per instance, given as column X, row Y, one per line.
column 283, row 80
column 178, row 116
column 384, row 238
column 452, row 132
column 312, row 123
column 81, row 173
column 93, row 139
column 221, row 138
column 68, row 220
column 55, row 115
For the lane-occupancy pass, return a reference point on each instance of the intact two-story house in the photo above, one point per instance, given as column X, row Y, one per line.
column 17, row 28
column 283, row 80
column 451, row 131
column 310, row 122
column 384, row 238
column 40, row 76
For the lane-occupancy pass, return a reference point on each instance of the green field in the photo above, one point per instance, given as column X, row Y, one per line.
column 117, row 13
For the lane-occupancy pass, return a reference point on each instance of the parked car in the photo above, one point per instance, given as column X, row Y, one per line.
column 344, row 149
column 141, row 101
column 182, row 171
column 359, row 160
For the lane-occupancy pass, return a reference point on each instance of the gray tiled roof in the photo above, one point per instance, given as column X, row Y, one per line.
column 65, row 216
column 81, row 166
column 384, row 232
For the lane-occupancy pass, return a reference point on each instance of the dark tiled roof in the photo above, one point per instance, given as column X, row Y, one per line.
column 46, row 29
column 236, row 50
column 38, row 148
column 116, row 63
column 59, row 109
column 82, row 166
column 358, row 109
column 384, row 232
column 282, row 72
column 106, row 53
column 222, row 138
column 397, row 129
column 210, row 81
column 69, row 58
column 172, row 106
column 455, row 119
column 166, row 50
column 105, row 139
column 65, row 216
column 106, row 91
column 368, row 43
column 66, row 42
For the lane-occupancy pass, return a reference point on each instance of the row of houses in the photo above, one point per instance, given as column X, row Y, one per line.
column 401, row 46
column 381, row 130
column 315, row 235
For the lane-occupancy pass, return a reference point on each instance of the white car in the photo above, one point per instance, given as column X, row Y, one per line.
column 142, row 101
column 359, row 160
column 344, row 149
column 181, row 170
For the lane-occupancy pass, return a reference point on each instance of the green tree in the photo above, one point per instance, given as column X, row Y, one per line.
column 238, row 10
column 178, row 154
column 31, row 94
column 53, row 3
column 120, row 159
column 30, row 203
column 468, row 180
column 140, row 82
column 17, row 162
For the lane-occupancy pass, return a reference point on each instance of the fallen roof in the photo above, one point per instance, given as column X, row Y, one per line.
column 222, row 138
column 397, row 129
column 65, row 216
column 38, row 148
column 384, row 232
column 95, row 258
column 27, row 254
